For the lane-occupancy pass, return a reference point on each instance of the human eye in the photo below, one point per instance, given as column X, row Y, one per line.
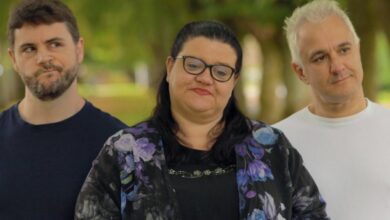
column 193, row 64
column 55, row 44
column 221, row 72
column 28, row 49
column 318, row 58
column 344, row 50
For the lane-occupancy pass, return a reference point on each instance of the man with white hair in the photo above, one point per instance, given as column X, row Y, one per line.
column 342, row 135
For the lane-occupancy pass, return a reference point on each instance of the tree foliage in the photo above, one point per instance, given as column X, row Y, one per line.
column 121, row 33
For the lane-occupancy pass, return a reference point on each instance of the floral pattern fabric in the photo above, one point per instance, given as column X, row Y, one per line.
column 130, row 180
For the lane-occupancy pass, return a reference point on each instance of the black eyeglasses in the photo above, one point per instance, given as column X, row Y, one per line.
column 196, row 66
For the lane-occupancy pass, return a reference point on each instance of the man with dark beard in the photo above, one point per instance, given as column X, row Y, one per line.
column 49, row 139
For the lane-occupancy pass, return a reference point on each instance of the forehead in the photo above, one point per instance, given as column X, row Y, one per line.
column 328, row 33
column 209, row 50
column 30, row 33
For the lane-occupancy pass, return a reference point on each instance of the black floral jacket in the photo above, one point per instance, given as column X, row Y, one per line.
column 129, row 179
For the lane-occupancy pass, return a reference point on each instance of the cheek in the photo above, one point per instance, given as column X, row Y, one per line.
column 317, row 75
column 176, row 82
column 226, row 92
column 171, row 79
column 24, row 66
column 357, row 67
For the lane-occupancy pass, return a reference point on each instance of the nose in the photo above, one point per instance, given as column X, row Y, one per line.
column 205, row 76
column 336, row 66
column 43, row 56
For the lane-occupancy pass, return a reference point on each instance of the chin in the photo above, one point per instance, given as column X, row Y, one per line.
column 201, row 109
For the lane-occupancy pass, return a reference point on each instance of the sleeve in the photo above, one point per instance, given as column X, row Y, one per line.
column 307, row 202
column 99, row 197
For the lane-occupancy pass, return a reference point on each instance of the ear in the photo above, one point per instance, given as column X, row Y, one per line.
column 298, row 70
column 169, row 65
column 80, row 50
column 11, row 53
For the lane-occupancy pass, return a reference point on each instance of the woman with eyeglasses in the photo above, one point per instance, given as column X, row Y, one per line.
column 198, row 156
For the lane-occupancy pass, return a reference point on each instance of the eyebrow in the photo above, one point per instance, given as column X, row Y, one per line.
column 216, row 63
column 321, row 51
column 225, row 64
column 21, row 47
column 317, row 52
column 51, row 40
column 344, row 44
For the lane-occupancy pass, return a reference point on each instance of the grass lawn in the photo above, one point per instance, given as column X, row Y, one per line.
column 131, row 103
column 130, row 110
column 127, row 102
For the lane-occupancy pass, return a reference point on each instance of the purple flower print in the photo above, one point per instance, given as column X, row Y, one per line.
column 129, row 163
column 250, row 194
column 265, row 136
column 241, row 150
column 257, row 214
column 242, row 178
column 141, row 128
column 259, row 171
column 143, row 150
column 257, row 152
column 125, row 143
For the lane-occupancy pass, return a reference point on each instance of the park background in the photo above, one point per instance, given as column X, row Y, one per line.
column 127, row 42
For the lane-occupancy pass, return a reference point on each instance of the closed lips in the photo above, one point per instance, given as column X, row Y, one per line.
column 201, row 91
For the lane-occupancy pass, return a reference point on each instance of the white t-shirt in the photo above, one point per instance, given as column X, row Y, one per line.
column 349, row 158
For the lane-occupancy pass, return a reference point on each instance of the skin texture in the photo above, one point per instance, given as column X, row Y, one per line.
column 47, row 60
column 198, row 101
column 331, row 66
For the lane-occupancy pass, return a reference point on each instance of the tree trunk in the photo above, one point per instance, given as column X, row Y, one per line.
column 383, row 16
column 272, row 75
column 297, row 92
column 366, row 28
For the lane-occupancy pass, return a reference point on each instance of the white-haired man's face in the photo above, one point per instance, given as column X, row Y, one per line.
column 331, row 62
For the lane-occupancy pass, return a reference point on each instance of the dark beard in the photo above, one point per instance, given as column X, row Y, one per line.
column 56, row 88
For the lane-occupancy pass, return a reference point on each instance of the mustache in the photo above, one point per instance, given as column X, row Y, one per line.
column 46, row 67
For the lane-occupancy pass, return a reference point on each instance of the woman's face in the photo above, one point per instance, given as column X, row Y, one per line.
column 192, row 95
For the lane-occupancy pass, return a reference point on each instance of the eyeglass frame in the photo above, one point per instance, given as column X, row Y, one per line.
column 210, row 66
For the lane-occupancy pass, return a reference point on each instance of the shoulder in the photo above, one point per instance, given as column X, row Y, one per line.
column 125, row 140
column 269, row 138
column 7, row 113
column 275, row 143
column 379, row 110
column 265, row 134
column 102, row 118
column 292, row 119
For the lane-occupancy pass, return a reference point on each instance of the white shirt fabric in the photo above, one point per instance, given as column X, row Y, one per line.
column 349, row 158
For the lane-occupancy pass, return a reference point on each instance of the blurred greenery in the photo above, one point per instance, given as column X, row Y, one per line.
column 121, row 34
column 128, row 102
column 383, row 55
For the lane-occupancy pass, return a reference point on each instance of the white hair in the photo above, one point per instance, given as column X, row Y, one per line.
column 313, row 12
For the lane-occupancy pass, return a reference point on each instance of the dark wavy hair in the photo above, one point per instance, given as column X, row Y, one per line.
column 236, row 125
column 36, row 12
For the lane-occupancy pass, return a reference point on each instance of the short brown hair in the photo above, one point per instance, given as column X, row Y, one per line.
column 36, row 12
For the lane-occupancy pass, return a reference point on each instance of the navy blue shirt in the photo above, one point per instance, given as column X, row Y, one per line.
column 42, row 167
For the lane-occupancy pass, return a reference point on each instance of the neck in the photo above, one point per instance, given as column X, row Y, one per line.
column 338, row 109
column 36, row 111
column 198, row 134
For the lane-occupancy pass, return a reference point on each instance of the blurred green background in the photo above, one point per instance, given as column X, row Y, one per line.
column 127, row 42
